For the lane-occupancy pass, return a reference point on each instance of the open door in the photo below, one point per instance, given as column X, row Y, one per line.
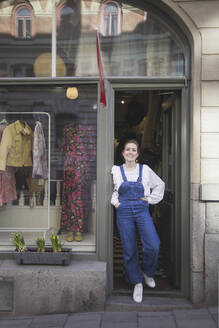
column 152, row 117
column 169, row 221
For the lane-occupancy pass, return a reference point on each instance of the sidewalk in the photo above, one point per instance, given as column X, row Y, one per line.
column 191, row 318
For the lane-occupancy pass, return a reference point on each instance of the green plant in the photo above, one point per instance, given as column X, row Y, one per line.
column 18, row 241
column 40, row 244
column 56, row 243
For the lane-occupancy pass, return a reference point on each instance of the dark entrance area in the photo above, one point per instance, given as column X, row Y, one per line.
column 152, row 118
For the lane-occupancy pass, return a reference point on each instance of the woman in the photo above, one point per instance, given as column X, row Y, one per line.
column 135, row 187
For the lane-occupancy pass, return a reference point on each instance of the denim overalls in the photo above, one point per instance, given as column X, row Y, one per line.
column 131, row 213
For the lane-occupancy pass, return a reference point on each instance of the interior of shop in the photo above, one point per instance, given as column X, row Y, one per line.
column 147, row 116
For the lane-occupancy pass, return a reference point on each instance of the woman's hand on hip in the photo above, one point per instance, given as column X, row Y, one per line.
column 145, row 199
column 117, row 205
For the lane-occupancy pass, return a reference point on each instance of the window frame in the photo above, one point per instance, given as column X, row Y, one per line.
column 60, row 82
column 103, row 15
column 24, row 19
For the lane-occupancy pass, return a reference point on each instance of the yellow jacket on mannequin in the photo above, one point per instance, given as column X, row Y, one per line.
column 16, row 146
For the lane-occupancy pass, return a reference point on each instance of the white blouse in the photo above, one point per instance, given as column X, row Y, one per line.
column 152, row 183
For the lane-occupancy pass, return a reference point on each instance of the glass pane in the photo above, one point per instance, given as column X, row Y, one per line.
column 28, row 31
column 63, row 200
column 144, row 39
column 111, row 8
column 114, row 24
column 27, row 51
column 24, row 12
column 20, row 28
column 68, row 34
column 107, row 24
column 67, row 11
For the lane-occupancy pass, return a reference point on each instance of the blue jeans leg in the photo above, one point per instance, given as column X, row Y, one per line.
column 150, row 241
column 127, row 230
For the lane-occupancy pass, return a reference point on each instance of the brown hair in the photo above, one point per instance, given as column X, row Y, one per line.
column 131, row 141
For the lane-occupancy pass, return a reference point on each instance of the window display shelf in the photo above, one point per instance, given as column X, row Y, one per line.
column 88, row 244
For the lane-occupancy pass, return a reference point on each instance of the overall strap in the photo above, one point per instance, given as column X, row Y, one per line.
column 123, row 173
column 140, row 172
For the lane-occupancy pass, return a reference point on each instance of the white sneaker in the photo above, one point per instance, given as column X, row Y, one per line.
column 149, row 281
column 137, row 293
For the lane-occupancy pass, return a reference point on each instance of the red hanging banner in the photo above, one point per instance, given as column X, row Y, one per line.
column 100, row 68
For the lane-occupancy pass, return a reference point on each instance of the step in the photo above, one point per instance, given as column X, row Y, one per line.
column 116, row 303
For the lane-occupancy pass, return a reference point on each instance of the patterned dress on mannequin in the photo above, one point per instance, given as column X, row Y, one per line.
column 79, row 150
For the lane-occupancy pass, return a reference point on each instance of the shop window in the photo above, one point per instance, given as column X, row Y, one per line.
column 110, row 19
column 68, row 34
column 129, row 31
column 25, row 37
column 48, row 164
column 23, row 23
column 66, row 21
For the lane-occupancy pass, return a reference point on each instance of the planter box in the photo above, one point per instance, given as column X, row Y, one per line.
column 31, row 256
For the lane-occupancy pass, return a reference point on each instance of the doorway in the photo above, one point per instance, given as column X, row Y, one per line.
column 153, row 118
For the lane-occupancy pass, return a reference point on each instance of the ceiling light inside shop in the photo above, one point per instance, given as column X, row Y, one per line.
column 122, row 102
column 72, row 93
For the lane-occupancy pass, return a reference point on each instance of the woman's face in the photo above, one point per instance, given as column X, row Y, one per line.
column 130, row 152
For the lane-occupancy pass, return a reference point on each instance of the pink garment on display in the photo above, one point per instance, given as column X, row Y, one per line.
column 7, row 180
column 7, row 186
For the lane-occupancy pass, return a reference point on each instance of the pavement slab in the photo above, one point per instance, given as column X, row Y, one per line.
column 214, row 312
column 83, row 320
column 196, row 318
column 16, row 323
column 156, row 320
column 119, row 316
column 184, row 318
column 52, row 320
column 119, row 320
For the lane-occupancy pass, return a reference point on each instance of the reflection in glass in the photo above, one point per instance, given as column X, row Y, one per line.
column 110, row 19
column 25, row 34
column 24, row 23
column 134, row 41
column 68, row 34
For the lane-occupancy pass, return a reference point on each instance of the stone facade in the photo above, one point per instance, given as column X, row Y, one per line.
column 202, row 17
column 79, row 287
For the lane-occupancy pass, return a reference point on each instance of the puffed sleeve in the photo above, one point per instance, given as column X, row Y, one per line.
column 156, row 186
column 115, row 195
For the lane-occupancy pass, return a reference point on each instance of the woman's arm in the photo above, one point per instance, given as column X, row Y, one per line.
column 115, row 194
column 115, row 199
column 156, row 186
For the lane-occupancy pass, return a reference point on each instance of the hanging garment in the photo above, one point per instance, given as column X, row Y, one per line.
column 79, row 148
column 7, row 180
column 149, row 128
column 16, row 146
column 40, row 168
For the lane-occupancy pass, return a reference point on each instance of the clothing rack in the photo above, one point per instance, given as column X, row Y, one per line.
column 48, row 184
